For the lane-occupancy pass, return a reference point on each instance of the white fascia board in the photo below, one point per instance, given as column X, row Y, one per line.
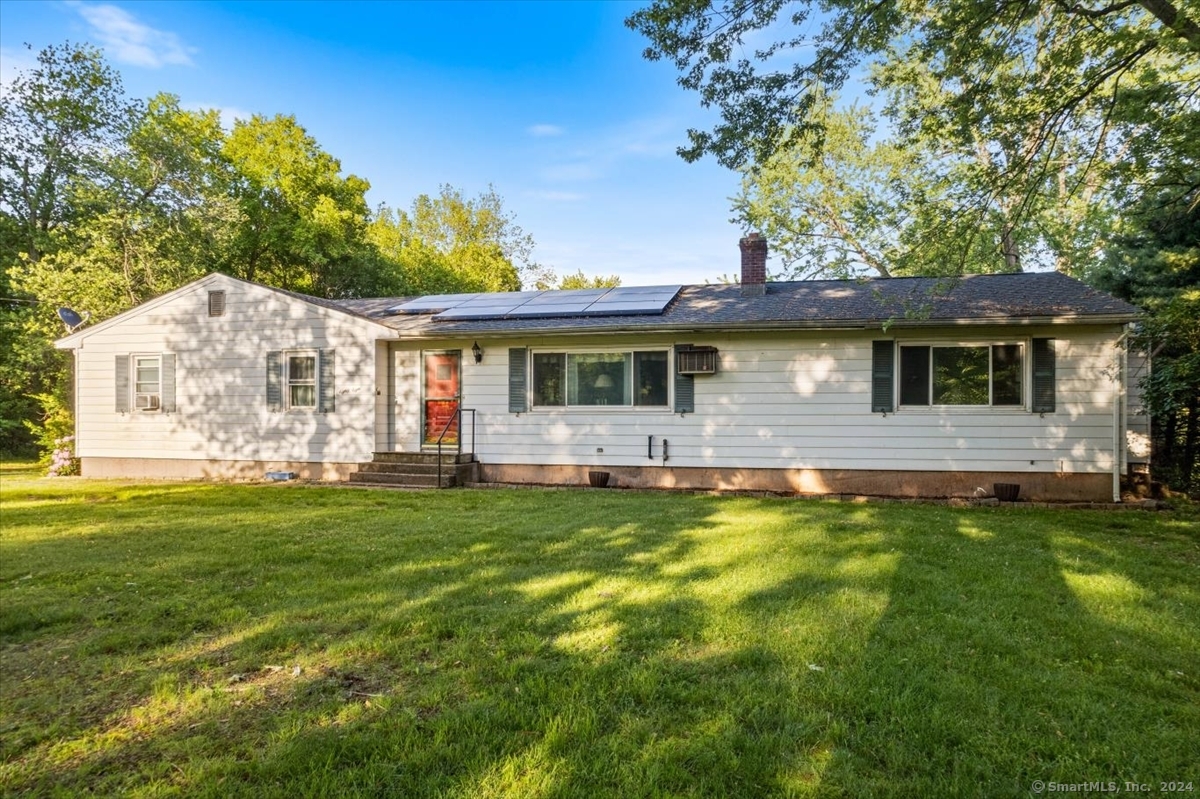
column 75, row 340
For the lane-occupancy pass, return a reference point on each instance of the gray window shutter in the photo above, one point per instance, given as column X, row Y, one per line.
column 685, row 386
column 326, row 401
column 274, row 381
column 168, row 382
column 121, row 371
column 1043, row 375
column 518, row 389
column 883, row 376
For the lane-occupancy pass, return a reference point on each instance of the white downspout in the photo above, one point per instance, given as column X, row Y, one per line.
column 75, row 403
column 1119, row 400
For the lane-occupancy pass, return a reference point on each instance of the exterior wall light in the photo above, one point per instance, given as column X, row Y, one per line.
column 477, row 351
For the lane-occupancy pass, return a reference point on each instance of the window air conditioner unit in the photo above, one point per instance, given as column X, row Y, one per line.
column 696, row 361
column 146, row 402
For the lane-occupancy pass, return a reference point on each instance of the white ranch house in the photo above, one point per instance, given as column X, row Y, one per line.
column 904, row 387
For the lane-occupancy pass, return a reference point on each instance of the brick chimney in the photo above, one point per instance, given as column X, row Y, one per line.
column 754, row 265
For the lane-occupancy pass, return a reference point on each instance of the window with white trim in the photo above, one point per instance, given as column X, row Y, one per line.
column 301, row 379
column 147, row 382
column 962, row 375
column 637, row 378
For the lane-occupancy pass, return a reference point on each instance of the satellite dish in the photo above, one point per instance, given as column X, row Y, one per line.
column 72, row 320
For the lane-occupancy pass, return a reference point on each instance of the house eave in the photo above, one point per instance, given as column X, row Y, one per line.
column 776, row 326
column 75, row 340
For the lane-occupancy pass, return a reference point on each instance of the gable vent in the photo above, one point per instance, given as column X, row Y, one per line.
column 216, row 303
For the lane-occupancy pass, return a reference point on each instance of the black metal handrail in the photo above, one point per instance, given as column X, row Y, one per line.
column 456, row 417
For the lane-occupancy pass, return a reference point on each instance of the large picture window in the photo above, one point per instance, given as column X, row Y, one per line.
column 596, row 379
column 986, row 374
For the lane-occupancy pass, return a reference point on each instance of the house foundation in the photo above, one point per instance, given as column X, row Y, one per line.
column 1034, row 486
column 188, row 469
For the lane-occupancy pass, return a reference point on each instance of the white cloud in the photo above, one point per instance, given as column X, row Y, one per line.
column 600, row 153
column 127, row 40
column 229, row 114
column 541, row 131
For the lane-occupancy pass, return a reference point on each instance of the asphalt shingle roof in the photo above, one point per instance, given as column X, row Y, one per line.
column 1024, row 297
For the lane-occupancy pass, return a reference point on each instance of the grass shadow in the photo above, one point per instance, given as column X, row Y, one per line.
column 570, row 643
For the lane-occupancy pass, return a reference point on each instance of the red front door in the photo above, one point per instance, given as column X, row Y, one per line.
column 441, row 397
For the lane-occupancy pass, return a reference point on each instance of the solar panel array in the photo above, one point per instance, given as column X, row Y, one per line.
column 621, row 301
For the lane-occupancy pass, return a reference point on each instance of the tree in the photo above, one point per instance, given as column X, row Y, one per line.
column 851, row 200
column 579, row 280
column 57, row 121
column 1065, row 106
column 966, row 42
column 155, row 210
column 1154, row 262
column 449, row 243
column 303, row 224
column 836, row 205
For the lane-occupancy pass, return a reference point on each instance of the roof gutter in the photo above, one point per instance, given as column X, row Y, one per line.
column 751, row 327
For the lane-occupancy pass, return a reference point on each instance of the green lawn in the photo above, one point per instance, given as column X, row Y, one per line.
column 533, row 643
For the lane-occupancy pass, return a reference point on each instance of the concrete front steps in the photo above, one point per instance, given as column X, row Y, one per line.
column 417, row 470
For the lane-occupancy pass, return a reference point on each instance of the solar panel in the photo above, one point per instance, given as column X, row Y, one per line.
column 634, row 290
column 483, row 312
column 541, row 304
column 634, row 300
column 623, row 308
column 511, row 299
column 530, row 310
column 431, row 303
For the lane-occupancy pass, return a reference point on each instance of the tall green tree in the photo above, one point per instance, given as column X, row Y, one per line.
column 451, row 243
column 158, row 216
column 1154, row 261
column 859, row 198
column 57, row 122
column 764, row 63
column 1057, row 109
column 303, row 223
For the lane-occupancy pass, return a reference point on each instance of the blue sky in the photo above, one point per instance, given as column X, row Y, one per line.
column 552, row 103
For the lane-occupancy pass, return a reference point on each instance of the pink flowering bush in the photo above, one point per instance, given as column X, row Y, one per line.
column 63, row 462
column 55, row 436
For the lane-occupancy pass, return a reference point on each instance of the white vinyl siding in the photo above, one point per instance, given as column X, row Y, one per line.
column 220, row 381
column 802, row 400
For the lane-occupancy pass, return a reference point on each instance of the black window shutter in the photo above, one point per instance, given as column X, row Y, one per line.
column 121, row 370
column 1043, row 375
column 518, row 391
column 685, row 386
column 883, row 375
column 326, row 401
column 168, row 382
column 274, row 381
